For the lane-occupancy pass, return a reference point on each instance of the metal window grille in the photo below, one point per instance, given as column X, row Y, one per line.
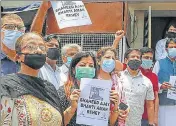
column 88, row 42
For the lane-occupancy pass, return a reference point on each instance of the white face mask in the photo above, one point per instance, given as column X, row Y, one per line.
column 10, row 37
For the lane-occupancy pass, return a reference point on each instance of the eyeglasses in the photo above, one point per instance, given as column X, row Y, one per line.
column 33, row 48
column 14, row 27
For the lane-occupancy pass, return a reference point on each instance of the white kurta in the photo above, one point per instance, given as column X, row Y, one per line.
column 167, row 115
column 160, row 51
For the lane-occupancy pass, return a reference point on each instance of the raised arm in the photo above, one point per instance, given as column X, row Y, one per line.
column 37, row 24
column 118, row 36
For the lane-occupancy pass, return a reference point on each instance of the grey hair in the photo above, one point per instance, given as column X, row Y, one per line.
column 68, row 46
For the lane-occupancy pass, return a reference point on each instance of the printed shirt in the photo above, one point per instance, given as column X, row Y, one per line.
column 53, row 76
column 28, row 110
column 137, row 89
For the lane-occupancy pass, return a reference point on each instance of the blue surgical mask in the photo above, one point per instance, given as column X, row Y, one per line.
column 108, row 65
column 146, row 63
column 172, row 52
column 10, row 37
column 69, row 59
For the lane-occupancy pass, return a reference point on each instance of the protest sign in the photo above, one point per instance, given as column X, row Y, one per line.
column 171, row 94
column 70, row 13
column 94, row 103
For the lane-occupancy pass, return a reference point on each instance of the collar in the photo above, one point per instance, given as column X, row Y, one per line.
column 64, row 68
column 138, row 75
column 167, row 58
column 145, row 71
column 49, row 67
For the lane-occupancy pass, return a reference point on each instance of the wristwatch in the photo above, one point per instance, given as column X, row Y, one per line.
column 151, row 125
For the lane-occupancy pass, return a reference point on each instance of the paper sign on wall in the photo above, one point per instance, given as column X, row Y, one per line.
column 70, row 13
column 94, row 102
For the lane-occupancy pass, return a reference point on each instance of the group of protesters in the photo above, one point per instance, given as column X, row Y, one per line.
column 35, row 91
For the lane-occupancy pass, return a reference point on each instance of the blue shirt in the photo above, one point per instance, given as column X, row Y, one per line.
column 7, row 66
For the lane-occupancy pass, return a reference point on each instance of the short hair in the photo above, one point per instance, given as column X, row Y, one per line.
column 48, row 38
column 10, row 16
column 19, row 41
column 129, row 51
column 169, row 40
column 172, row 23
column 146, row 50
column 68, row 46
column 101, row 52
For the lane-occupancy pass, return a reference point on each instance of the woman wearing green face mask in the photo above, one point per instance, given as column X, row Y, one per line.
column 107, row 64
column 83, row 65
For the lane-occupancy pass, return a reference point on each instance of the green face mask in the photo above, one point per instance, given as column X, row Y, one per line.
column 84, row 72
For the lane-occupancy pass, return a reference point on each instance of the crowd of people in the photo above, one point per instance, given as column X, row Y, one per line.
column 35, row 91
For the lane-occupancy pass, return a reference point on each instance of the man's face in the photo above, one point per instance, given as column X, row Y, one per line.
column 12, row 24
column 147, row 56
column 53, row 43
column 133, row 60
column 172, row 29
column 134, row 55
column 70, row 53
column 52, row 51
column 171, row 50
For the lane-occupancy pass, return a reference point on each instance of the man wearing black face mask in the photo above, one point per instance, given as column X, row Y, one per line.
column 160, row 52
column 50, row 71
column 138, row 89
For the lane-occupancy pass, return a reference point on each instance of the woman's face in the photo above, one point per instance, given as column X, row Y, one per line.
column 108, row 55
column 86, row 62
column 85, row 68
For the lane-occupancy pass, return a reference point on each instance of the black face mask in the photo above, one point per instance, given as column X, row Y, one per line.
column 35, row 61
column 134, row 64
column 53, row 53
column 171, row 35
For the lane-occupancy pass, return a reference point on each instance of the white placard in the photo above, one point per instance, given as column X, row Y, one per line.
column 70, row 13
column 171, row 94
column 94, row 103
